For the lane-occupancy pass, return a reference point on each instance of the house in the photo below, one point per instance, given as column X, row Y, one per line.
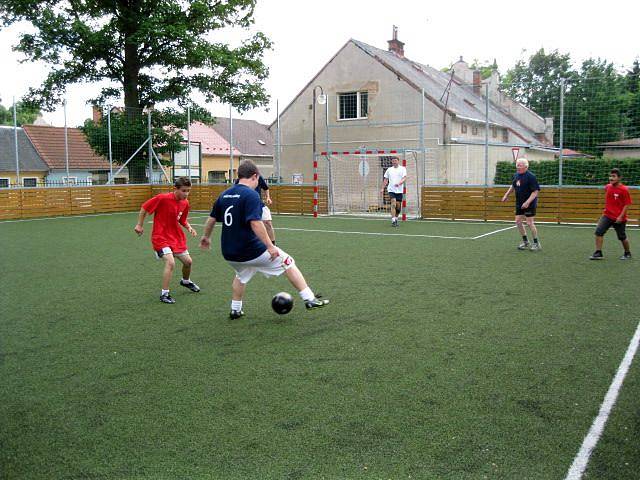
column 380, row 99
column 629, row 148
column 85, row 166
column 33, row 170
column 251, row 141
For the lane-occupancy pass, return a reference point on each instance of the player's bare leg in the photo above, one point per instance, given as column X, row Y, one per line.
column 523, row 232
column 534, row 233
column 294, row 275
column 394, row 210
column 237, row 294
column 186, row 273
column 272, row 234
column 169, row 265
column 600, row 242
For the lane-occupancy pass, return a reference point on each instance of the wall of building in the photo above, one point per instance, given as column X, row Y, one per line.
column 622, row 152
column 11, row 176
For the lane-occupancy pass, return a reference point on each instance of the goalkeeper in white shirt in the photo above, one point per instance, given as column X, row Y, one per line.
column 394, row 179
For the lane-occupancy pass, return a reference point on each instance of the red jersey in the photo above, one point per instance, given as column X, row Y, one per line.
column 170, row 213
column 616, row 198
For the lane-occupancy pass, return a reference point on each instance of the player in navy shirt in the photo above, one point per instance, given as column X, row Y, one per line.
column 245, row 244
column 266, row 213
column 527, row 188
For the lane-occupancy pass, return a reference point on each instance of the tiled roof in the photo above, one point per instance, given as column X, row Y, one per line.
column 30, row 161
column 249, row 136
column 49, row 143
column 462, row 100
column 212, row 142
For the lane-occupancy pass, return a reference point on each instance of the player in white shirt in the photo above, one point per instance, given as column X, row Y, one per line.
column 394, row 179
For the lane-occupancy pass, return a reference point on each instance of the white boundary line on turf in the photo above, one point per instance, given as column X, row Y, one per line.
column 597, row 427
column 495, row 231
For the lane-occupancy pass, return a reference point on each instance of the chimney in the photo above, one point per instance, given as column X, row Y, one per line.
column 395, row 45
column 97, row 114
column 477, row 82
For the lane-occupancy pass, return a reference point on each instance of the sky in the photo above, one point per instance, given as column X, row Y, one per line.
column 307, row 34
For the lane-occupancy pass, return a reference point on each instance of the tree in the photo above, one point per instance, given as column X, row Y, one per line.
column 147, row 51
column 633, row 88
column 25, row 113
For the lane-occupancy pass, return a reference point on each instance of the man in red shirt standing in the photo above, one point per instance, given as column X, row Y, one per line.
column 170, row 215
column 617, row 201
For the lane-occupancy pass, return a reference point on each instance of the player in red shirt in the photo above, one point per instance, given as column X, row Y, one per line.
column 170, row 215
column 617, row 201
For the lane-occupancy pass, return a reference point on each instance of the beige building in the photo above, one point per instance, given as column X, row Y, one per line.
column 629, row 148
column 380, row 100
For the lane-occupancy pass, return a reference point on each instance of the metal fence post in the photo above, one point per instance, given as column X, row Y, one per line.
column 486, row 135
column 109, row 145
column 15, row 140
column 189, row 141
column 66, row 142
column 230, row 144
column 150, row 147
column 277, row 152
column 561, row 138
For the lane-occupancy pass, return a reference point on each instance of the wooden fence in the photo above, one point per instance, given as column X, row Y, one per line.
column 47, row 202
column 561, row 205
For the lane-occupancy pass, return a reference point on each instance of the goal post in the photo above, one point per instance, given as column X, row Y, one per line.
column 354, row 179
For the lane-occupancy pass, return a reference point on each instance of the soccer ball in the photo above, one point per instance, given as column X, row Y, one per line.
column 282, row 303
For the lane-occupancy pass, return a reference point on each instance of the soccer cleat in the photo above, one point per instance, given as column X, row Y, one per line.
column 394, row 223
column 626, row 256
column 235, row 314
column 190, row 285
column 315, row 303
column 523, row 246
column 596, row 256
column 535, row 247
column 166, row 298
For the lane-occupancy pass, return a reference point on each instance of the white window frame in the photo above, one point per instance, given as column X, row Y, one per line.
column 90, row 180
column 8, row 182
column 65, row 181
column 463, row 127
column 29, row 178
column 358, row 105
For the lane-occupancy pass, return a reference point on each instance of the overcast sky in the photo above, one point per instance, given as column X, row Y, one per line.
column 307, row 34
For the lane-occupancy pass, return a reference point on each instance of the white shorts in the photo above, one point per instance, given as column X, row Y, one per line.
column 264, row 265
column 166, row 250
column 266, row 214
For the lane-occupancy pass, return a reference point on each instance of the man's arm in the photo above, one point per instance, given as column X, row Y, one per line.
column 385, row 182
column 531, row 198
column 190, row 229
column 404, row 179
column 139, row 228
column 622, row 214
column 506, row 195
column 205, row 241
column 261, row 232
column 268, row 197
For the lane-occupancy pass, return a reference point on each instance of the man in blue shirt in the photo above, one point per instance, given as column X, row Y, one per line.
column 246, row 246
column 527, row 189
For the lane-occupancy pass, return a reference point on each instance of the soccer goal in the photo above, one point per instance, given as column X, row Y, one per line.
column 354, row 180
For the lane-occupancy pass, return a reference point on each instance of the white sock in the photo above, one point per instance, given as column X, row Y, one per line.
column 165, row 292
column 186, row 280
column 393, row 219
column 236, row 305
column 307, row 294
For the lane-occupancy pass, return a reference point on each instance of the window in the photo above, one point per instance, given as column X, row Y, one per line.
column 29, row 182
column 90, row 180
column 4, row 183
column 353, row 105
column 120, row 180
column 218, row 176
column 70, row 180
column 494, row 132
column 474, row 130
column 463, row 128
column 505, row 136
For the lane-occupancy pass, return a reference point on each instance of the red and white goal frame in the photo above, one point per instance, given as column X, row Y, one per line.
column 349, row 173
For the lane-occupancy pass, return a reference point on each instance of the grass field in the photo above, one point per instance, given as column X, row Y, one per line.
column 445, row 354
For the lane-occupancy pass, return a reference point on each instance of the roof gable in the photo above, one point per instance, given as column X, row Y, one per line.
column 27, row 155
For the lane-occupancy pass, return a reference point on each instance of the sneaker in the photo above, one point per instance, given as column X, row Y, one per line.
column 316, row 303
column 626, row 256
column 235, row 314
column 190, row 285
column 166, row 298
column 535, row 247
column 596, row 256
column 523, row 246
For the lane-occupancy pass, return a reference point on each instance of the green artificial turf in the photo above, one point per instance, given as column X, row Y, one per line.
column 438, row 358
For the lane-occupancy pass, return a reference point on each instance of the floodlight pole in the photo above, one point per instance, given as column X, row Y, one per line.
column 15, row 140
column 315, row 159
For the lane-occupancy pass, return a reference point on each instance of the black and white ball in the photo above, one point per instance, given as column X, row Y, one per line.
column 282, row 303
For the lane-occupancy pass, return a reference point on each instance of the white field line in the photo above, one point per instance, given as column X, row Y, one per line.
column 493, row 232
column 597, row 427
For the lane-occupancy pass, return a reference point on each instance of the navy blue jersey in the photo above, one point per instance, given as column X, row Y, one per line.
column 262, row 185
column 525, row 184
column 235, row 208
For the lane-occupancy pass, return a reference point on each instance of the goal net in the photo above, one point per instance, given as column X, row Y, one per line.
column 354, row 182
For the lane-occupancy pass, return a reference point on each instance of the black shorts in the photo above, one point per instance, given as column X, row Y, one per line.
column 605, row 223
column 527, row 212
column 397, row 196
